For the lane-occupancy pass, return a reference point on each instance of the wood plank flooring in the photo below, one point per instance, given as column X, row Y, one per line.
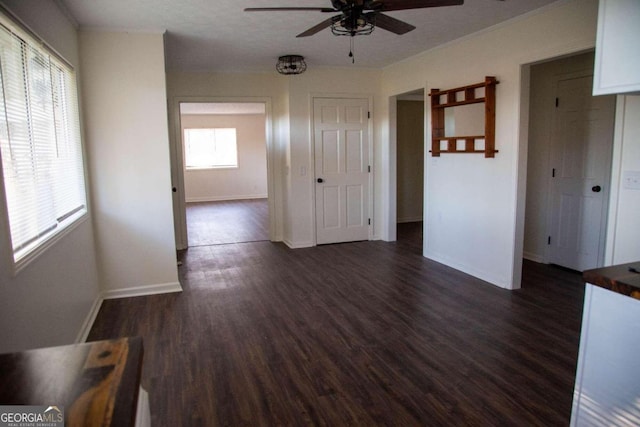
column 367, row 333
column 232, row 221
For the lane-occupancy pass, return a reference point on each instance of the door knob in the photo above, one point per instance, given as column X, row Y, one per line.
column 320, row 180
column 596, row 188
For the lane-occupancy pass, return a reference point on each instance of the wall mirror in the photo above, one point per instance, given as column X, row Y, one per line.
column 464, row 120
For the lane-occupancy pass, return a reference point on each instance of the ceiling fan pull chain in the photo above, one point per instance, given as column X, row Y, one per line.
column 353, row 59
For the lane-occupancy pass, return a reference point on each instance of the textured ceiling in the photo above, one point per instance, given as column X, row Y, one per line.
column 217, row 35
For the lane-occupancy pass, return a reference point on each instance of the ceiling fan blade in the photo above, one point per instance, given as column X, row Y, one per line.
column 388, row 23
column 286, row 9
column 317, row 28
column 389, row 5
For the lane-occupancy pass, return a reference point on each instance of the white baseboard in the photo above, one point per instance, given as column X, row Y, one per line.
column 409, row 219
column 88, row 321
column 143, row 415
column 137, row 291
column 224, row 198
column 487, row 276
column 298, row 245
column 533, row 257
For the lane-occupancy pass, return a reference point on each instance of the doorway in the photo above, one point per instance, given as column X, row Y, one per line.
column 221, row 166
column 410, row 121
column 569, row 161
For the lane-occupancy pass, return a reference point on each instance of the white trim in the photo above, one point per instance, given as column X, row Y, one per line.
column 410, row 219
column 224, row 198
column 615, row 186
column 298, row 245
column 389, row 190
column 49, row 240
column 89, row 320
column 90, row 29
column 177, row 161
column 136, row 291
column 484, row 275
column 533, row 257
column 143, row 414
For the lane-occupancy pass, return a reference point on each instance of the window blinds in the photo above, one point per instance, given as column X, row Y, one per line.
column 40, row 142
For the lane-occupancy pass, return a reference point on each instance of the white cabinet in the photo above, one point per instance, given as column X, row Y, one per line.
column 617, row 64
column 607, row 389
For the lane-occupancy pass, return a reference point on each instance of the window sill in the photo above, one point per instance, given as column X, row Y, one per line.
column 47, row 242
column 209, row 168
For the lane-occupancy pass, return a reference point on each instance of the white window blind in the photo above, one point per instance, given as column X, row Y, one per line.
column 40, row 144
column 210, row 148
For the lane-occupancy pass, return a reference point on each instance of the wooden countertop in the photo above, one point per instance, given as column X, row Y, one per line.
column 617, row 278
column 97, row 383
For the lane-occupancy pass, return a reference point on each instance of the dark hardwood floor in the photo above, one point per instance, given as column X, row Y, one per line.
column 366, row 333
column 233, row 221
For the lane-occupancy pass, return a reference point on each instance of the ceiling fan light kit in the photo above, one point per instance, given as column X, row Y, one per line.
column 352, row 27
column 291, row 64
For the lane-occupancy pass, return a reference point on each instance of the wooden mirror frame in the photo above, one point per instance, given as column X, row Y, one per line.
column 469, row 97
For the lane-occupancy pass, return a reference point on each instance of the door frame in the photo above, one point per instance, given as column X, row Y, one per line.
column 523, row 164
column 413, row 96
column 177, row 161
column 312, row 156
column 390, row 152
column 551, row 211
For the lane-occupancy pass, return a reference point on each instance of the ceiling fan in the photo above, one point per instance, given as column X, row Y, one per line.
column 360, row 17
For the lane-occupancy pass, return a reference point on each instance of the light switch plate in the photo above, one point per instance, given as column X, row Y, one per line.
column 631, row 180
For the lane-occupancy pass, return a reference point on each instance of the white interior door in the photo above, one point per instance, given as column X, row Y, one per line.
column 581, row 162
column 341, row 140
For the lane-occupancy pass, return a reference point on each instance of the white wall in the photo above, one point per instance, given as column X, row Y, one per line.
column 292, row 160
column 623, row 234
column 474, row 210
column 249, row 179
column 48, row 302
column 126, row 130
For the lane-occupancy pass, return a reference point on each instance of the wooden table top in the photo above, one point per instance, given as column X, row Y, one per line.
column 623, row 279
column 97, row 383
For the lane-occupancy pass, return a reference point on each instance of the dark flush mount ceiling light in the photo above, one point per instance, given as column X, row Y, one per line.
column 291, row 64
column 353, row 25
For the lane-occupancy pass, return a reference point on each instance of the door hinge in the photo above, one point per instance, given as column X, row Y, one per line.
column 369, row 168
column 368, row 114
column 557, row 102
column 549, row 240
column 369, row 221
column 553, row 172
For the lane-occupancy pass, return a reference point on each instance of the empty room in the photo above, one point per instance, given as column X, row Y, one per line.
column 345, row 212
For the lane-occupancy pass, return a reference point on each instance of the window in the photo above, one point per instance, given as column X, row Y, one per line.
column 210, row 148
column 40, row 146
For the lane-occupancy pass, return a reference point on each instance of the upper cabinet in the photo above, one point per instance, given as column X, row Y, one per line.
column 617, row 64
